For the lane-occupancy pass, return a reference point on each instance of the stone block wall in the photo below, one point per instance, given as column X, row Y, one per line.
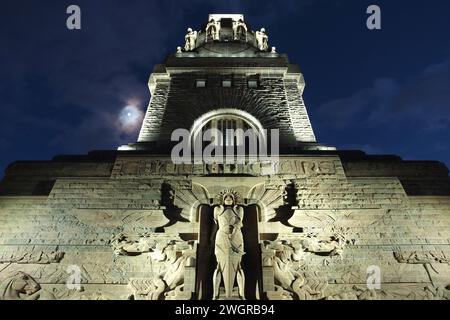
column 277, row 101
column 117, row 227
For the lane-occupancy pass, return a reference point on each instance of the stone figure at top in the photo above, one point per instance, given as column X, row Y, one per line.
column 212, row 30
column 229, row 248
column 191, row 38
column 225, row 34
column 240, row 30
column 262, row 40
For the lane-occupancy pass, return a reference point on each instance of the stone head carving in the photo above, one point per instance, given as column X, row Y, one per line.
column 228, row 197
column 19, row 286
column 25, row 284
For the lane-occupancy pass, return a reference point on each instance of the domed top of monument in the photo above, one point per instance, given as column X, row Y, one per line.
column 226, row 35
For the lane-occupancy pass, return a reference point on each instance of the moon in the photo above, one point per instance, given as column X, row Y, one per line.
column 130, row 118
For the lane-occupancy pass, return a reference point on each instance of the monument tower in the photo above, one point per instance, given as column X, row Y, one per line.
column 312, row 223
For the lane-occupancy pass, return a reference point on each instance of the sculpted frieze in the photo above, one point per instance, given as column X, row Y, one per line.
column 125, row 167
column 421, row 257
column 32, row 256
column 175, row 257
column 291, row 279
column 287, row 257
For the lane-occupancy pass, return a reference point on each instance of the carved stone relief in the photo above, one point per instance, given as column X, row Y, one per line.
column 330, row 245
column 270, row 196
column 291, row 280
column 285, row 271
column 145, row 168
column 356, row 293
column 21, row 286
column 33, row 256
column 147, row 288
column 188, row 196
column 432, row 262
column 421, row 257
column 176, row 259
column 416, row 292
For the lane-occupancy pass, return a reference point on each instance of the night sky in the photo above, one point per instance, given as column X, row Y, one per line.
column 64, row 92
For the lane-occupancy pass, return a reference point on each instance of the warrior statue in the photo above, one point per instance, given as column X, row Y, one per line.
column 229, row 247
column 191, row 38
column 240, row 30
column 262, row 39
column 212, row 30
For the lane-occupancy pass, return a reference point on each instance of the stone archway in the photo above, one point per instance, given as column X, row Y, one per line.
column 235, row 119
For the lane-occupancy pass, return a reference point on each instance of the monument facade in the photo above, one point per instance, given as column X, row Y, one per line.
column 317, row 223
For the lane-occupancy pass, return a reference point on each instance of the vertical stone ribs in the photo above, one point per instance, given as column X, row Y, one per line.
column 297, row 111
column 151, row 127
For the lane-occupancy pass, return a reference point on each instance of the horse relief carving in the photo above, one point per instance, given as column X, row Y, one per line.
column 291, row 280
column 287, row 257
column 174, row 256
column 21, row 286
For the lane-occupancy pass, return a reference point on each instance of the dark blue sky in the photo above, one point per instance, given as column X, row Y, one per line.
column 61, row 91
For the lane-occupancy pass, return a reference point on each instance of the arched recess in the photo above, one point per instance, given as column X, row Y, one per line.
column 240, row 119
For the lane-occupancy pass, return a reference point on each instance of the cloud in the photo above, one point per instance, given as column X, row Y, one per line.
column 422, row 101
column 74, row 84
column 130, row 118
column 407, row 116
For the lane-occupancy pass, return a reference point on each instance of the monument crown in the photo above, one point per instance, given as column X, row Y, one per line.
column 226, row 74
column 226, row 34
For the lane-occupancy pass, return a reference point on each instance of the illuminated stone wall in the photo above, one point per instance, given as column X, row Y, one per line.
column 119, row 219
column 277, row 101
column 317, row 224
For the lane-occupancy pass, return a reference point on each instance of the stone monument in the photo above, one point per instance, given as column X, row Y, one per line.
column 314, row 223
